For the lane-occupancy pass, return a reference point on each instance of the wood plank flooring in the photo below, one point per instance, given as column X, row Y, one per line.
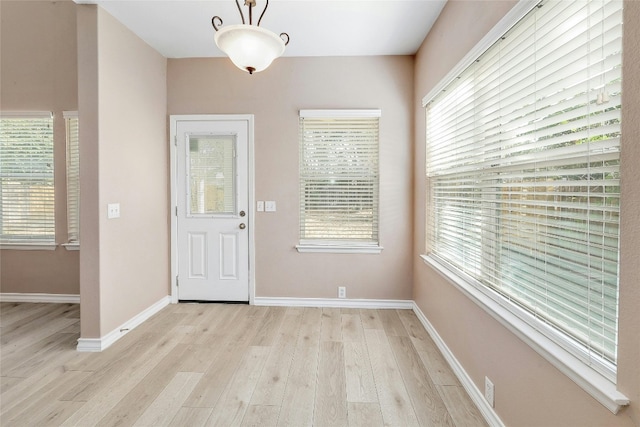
column 229, row 365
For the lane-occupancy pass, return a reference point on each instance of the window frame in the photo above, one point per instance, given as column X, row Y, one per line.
column 29, row 243
column 599, row 384
column 334, row 245
column 72, row 144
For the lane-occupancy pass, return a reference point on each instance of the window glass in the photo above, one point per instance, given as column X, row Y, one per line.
column 523, row 172
column 26, row 178
column 339, row 179
column 211, row 162
column 73, row 176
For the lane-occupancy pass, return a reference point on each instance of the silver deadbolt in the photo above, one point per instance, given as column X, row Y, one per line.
column 242, row 213
column 242, row 226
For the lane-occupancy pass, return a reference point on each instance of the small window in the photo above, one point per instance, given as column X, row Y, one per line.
column 339, row 180
column 27, row 203
column 73, row 177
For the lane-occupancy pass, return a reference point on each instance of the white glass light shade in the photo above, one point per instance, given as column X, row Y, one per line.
column 249, row 47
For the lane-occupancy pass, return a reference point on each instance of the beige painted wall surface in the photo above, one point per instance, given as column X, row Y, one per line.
column 215, row 86
column 132, row 258
column 87, row 22
column 529, row 391
column 134, row 249
column 38, row 72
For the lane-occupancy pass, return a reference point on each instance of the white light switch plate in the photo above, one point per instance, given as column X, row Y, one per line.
column 260, row 206
column 113, row 210
column 270, row 206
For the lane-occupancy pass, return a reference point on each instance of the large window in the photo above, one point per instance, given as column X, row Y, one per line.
column 523, row 174
column 339, row 179
column 73, row 177
column 26, row 179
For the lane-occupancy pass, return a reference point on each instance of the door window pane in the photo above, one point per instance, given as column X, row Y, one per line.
column 211, row 177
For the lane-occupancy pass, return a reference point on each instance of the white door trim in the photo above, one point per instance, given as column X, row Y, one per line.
column 174, row 119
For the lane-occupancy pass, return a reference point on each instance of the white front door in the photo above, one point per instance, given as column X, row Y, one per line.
column 212, row 195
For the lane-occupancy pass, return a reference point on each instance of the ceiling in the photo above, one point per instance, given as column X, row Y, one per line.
column 182, row 28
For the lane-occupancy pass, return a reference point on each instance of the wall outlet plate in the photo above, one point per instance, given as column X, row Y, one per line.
column 342, row 292
column 489, row 391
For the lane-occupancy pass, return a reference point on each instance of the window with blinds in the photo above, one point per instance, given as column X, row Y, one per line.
column 339, row 177
column 73, row 177
column 26, row 178
column 523, row 154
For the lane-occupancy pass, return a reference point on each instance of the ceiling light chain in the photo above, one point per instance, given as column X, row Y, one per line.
column 250, row 47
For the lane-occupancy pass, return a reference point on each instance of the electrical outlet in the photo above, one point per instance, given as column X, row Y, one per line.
column 342, row 292
column 489, row 391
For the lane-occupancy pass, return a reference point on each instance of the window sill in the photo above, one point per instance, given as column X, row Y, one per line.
column 596, row 384
column 28, row 246
column 339, row 249
column 71, row 246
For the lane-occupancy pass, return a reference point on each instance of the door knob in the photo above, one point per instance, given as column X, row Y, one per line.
column 242, row 226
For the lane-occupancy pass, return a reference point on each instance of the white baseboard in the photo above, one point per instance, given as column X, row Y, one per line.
column 99, row 344
column 90, row 345
column 476, row 395
column 40, row 298
column 334, row 302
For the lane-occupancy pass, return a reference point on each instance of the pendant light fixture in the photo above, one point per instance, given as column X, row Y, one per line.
column 250, row 47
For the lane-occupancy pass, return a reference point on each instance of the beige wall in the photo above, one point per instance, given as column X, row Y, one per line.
column 529, row 391
column 38, row 73
column 215, row 86
column 122, row 93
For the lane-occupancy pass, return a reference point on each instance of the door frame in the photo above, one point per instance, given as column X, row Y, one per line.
column 173, row 202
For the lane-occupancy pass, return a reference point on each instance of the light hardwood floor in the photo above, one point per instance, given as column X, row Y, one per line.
column 217, row 364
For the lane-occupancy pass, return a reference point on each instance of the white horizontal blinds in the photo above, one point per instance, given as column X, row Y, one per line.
column 339, row 176
column 73, row 176
column 523, row 170
column 26, row 178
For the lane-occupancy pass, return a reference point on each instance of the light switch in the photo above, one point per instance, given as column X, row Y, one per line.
column 270, row 206
column 260, row 206
column 113, row 210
